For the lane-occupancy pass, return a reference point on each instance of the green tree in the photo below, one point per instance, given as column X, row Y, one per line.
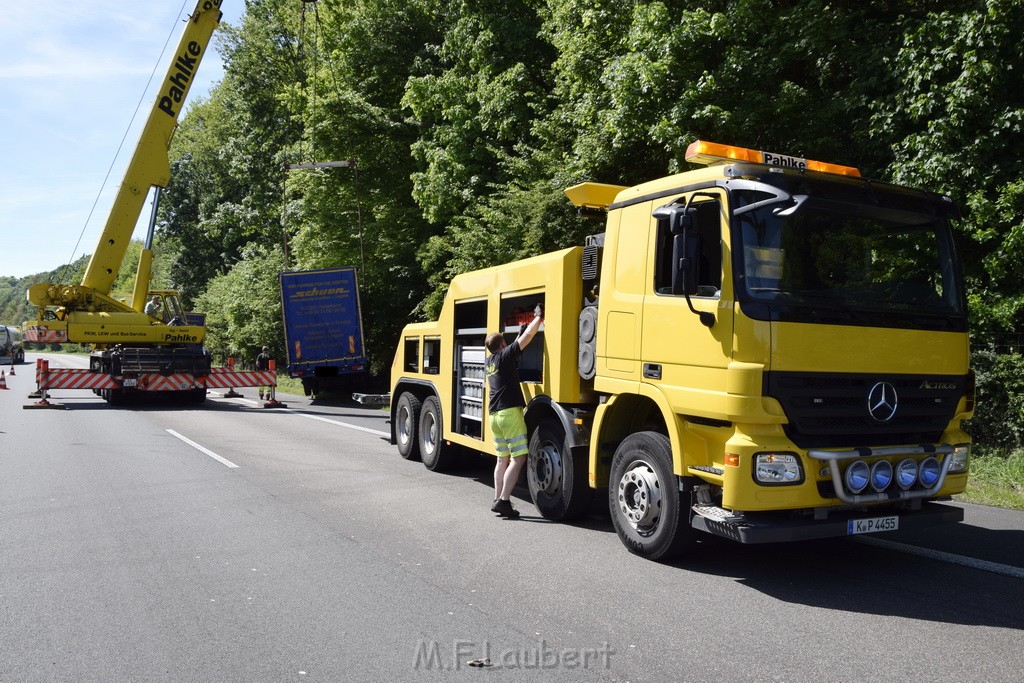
column 227, row 154
column 359, row 56
column 243, row 307
column 954, row 119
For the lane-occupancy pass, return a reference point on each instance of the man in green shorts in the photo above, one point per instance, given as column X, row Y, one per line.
column 505, row 406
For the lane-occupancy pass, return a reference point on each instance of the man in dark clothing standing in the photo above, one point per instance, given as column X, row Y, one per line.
column 505, row 407
column 263, row 363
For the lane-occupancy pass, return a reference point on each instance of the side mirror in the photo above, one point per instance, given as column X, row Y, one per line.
column 681, row 222
column 679, row 217
column 685, row 252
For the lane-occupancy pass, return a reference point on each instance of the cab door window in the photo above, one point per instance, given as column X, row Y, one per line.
column 707, row 223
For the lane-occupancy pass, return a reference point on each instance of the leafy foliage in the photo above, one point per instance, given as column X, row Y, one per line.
column 954, row 120
column 243, row 307
column 999, row 422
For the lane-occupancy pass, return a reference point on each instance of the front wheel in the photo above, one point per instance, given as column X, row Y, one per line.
column 437, row 456
column 646, row 506
column 407, row 418
column 557, row 477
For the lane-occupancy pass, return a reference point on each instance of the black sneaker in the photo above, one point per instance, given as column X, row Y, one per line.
column 505, row 509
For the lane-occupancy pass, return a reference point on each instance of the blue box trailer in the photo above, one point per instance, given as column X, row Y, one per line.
column 323, row 329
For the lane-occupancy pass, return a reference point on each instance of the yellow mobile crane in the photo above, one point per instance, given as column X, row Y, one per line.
column 145, row 345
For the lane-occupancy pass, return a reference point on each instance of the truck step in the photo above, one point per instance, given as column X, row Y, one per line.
column 372, row 399
column 717, row 514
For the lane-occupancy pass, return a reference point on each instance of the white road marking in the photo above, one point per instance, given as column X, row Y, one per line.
column 323, row 419
column 974, row 563
column 341, row 424
column 201, row 449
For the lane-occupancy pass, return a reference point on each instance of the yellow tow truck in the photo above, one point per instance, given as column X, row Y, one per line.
column 765, row 348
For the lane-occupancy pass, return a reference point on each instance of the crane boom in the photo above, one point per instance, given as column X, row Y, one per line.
column 149, row 165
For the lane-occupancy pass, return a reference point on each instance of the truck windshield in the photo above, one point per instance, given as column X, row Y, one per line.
column 847, row 257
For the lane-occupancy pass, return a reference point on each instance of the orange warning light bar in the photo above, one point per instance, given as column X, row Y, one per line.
column 708, row 153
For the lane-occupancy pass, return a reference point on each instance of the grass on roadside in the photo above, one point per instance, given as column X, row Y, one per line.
column 996, row 480
column 290, row 385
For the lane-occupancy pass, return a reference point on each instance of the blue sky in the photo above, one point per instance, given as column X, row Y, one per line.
column 74, row 72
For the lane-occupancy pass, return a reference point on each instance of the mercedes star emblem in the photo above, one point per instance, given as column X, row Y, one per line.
column 882, row 401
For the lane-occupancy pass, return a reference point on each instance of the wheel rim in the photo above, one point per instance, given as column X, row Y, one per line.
column 546, row 470
column 429, row 434
column 639, row 497
column 404, row 424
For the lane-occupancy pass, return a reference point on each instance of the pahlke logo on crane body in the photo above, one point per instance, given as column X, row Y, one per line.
column 182, row 337
column 185, row 66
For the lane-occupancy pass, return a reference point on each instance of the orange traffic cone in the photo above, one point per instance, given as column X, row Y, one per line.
column 12, row 367
column 3, row 380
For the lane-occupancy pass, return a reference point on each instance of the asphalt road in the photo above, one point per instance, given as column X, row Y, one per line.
column 295, row 544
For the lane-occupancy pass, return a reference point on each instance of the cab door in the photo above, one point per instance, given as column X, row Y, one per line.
column 681, row 356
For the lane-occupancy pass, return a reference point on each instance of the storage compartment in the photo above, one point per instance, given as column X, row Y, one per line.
column 517, row 311
column 432, row 355
column 471, row 317
column 411, row 354
column 470, row 375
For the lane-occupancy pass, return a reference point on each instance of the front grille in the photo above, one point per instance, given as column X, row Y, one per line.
column 831, row 410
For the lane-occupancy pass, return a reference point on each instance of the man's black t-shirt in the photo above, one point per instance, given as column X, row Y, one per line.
column 503, row 379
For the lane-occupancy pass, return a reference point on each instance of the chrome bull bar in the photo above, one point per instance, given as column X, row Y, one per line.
column 833, row 458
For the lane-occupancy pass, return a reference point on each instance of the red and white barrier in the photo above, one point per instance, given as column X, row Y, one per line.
column 219, row 378
column 42, row 333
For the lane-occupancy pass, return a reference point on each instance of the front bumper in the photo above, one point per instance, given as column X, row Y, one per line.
column 778, row 527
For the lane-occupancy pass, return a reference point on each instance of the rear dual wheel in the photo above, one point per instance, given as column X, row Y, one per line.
column 436, row 454
column 557, row 477
column 407, row 419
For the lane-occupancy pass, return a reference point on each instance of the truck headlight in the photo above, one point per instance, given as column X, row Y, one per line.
column 777, row 468
column 857, row 476
column 960, row 456
column 906, row 474
column 928, row 471
column 881, row 475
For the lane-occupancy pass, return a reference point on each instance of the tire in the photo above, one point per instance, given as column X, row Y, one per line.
column 437, row 456
column 558, row 481
column 646, row 506
column 197, row 396
column 407, row 422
